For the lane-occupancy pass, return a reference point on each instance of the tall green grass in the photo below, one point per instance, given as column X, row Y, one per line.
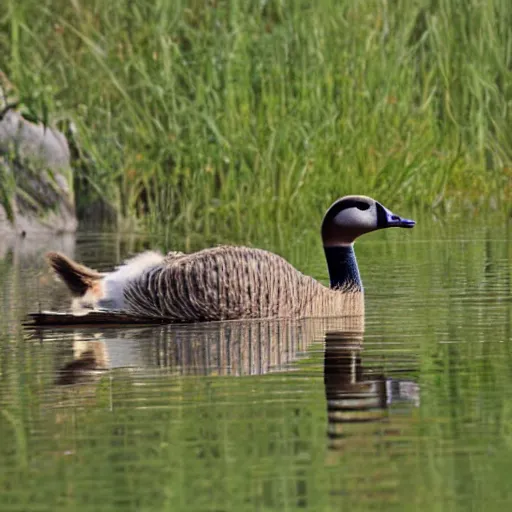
column 230, row 116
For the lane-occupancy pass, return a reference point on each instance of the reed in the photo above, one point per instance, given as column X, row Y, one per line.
column 198, row 114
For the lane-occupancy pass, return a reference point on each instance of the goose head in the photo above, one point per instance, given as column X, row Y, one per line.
column 353, row 216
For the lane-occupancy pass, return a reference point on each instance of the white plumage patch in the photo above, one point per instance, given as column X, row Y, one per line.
column 114, row 283
column 357, row 219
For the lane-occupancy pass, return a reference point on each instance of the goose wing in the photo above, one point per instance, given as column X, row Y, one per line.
column 223, row 283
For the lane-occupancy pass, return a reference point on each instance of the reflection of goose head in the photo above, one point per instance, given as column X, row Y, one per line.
column 232, row 283
column 351, row 399
column 357, row 399
column 364, row 432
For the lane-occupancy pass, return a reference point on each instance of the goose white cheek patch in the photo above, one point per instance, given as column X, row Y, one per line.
column 355, row 218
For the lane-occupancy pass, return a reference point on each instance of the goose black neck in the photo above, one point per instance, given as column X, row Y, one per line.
column 343, row 269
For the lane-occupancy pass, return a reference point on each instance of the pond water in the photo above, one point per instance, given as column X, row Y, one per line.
column 414, row 413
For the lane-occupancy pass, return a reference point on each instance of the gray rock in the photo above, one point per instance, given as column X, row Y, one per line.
column 35, row 178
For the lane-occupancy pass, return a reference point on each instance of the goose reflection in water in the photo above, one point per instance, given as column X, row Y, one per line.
column 141, row 370
column 237, row 348
column 358, row 399
column 355, row 395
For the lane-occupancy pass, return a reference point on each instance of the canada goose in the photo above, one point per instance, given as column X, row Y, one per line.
column 228, row 282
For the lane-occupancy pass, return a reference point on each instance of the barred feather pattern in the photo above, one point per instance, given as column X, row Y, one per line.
column 228, row 283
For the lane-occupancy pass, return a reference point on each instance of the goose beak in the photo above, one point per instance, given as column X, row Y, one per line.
column 387, row 219
column 404, row 223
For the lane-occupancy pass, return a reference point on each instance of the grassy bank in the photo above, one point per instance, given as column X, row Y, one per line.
column 231, row 116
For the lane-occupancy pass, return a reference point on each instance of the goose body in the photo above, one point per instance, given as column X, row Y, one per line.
column 230, row 282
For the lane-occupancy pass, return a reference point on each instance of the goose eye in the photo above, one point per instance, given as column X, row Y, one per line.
column 362, row 206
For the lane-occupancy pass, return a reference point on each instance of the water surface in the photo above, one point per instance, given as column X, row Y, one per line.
column 414, row 413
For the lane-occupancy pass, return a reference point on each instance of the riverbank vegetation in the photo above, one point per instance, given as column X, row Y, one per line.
column 230, row 116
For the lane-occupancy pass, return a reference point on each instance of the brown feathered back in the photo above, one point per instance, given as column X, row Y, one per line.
column 226, row 283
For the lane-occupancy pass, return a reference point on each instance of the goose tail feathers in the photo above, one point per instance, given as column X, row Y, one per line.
column 78, row 278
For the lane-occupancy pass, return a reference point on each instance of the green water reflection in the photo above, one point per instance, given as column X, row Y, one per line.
column 414, row 413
